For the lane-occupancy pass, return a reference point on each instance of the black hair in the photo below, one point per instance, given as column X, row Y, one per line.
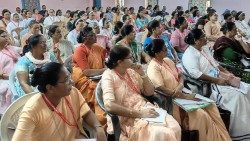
column 59, row 10
column 226, row 15
column 31, row 42
column 83, row 34
column 228, row 26
column 80, row 14
column 93, row 7
column 210, row 13
column 195, row 13
column 2, row 31
column 126, row 30
column 155, row 7
column 104, row 21
column 179, row 8
column 138, row 14
column 238, row 15
column 124, row 17
column 156, row 46
column 119, row 52
column 46, row 75
column 118, row 26
column 179, row 21
column 193, row 35
column 32, row 22
column 200, row 22
column 71, row 15
column 4, row 11
column 151, row 26
column 52, row 30
column 180, row 13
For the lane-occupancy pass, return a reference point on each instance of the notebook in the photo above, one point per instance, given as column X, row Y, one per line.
column 191, row 105
column 160, row 119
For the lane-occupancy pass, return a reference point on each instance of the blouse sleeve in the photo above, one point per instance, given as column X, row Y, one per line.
column 26, row 126
column 193, row 67
column 154, row 74
column 80, row 58
column 107, row 85
column 84, row 108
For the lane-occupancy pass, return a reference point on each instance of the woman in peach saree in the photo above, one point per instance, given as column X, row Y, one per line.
column 123, row 85
column 165, row 77
column 88, row 61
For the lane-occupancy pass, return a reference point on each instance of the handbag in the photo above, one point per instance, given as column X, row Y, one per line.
column 225, row 116
column 187, row 135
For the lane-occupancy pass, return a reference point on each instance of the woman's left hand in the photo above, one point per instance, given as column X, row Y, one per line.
column 101, row 136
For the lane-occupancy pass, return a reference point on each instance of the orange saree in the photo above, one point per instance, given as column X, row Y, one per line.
column 88, row 58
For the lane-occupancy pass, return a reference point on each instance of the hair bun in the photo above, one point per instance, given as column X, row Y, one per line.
column 36, row 77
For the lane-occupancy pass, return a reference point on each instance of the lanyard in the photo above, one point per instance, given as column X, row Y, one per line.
column 59, row 113
column 129, row 82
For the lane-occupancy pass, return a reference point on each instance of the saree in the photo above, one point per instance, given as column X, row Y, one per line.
column 118, row 90
column 227, row 97
column 88, row 58
column 231, row 52
column 210, row 125
column 36, row 117
column 8, row 58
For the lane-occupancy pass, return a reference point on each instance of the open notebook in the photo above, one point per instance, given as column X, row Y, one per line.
column 160, row 119
column 191, row 105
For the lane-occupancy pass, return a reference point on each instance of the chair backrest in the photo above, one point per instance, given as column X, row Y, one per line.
column 114, row 118
column 11, row 116
column 68, row 63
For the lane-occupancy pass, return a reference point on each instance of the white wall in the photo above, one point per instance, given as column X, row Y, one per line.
column 238, row 5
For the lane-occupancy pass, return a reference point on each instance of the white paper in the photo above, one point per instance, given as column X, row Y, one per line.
column 187, row 91
column 245, row 62
column 161, row 118
column 204, row 98
column 190, row 105
column 97, row 77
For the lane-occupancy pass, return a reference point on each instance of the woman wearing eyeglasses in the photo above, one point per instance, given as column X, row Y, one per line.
column 88, row 61
column 56, row 113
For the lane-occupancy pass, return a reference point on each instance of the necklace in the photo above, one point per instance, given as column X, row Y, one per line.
column 129, row 82
column 47, row 101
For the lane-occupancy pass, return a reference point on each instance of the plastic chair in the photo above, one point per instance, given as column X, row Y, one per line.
column 114, row 118
column 68, row 63
column 11, row 116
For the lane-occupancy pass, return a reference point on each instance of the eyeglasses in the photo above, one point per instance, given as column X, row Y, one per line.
column 4, row 36
column 66, row 81
column 130, row 57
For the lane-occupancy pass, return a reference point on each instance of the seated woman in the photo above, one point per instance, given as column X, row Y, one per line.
column 88, row 61
column 66, row 47
column 8, row 58
column 34, row 29
column 58, row 106
column 161, row 72
column 127, row 39
column 123, row 85
column 212, row 28
column 155, row 32
column 231, row 48
column 201, row 65
column 35, row 56
column 178, row 36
